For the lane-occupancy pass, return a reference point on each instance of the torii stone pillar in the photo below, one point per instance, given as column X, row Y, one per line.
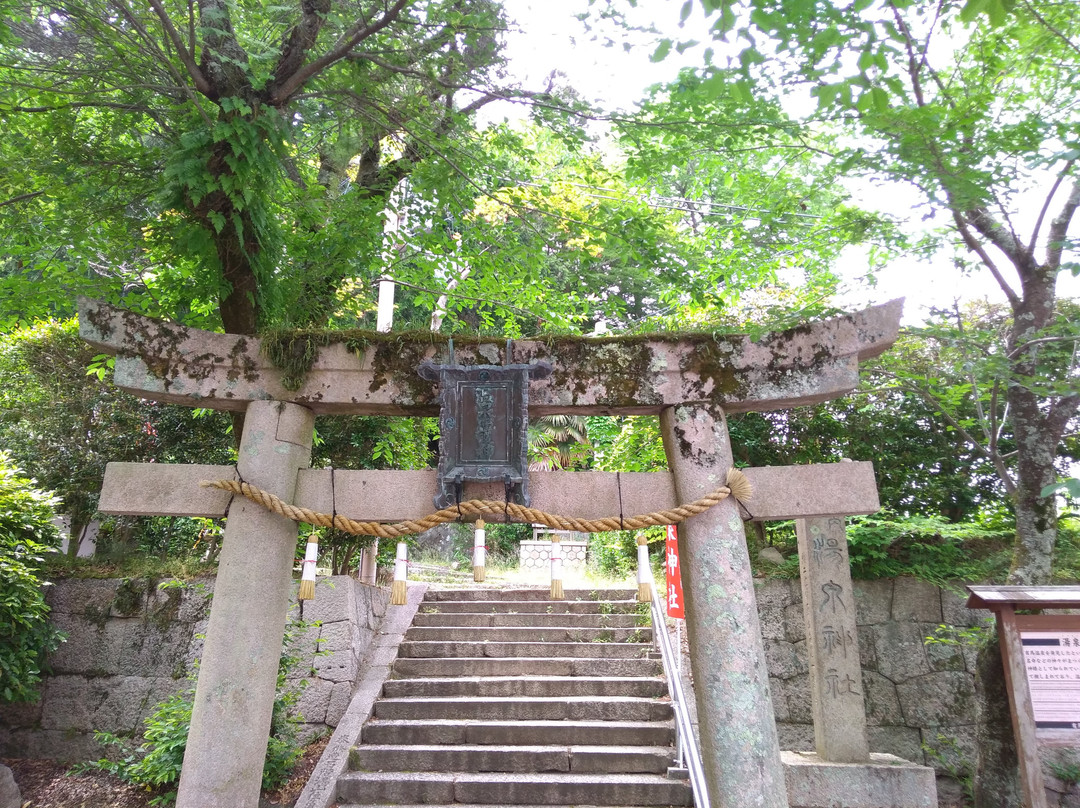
column 739, row 745
column 234, row 697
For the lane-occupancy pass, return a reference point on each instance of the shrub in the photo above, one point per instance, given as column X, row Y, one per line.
column 27, row 532
column 614, row 554
column 928, row 547
column 157, row 762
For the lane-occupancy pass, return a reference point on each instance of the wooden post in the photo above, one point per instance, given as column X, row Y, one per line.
column 1023, row 716
column 367, row 563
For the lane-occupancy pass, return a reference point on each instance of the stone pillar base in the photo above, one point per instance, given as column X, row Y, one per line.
column 885, row 782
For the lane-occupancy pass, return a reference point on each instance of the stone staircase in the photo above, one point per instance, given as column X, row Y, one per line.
column 508, row 698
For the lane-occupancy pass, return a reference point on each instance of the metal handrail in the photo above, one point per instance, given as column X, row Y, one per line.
column 684, row 730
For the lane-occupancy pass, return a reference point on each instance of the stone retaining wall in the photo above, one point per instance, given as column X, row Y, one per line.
column 132, row 644
column 919, row 696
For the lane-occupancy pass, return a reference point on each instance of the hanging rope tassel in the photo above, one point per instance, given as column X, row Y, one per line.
column 479, row 553
column 307, row 574
column 644, row 572
column 401, row 565
column 556, row 569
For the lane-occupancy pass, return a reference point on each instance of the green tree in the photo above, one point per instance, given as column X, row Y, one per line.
column 757, row 202
column 64, row 425
column 974, row 117
column 26, row 533
column 978, row 114
column 223, row 162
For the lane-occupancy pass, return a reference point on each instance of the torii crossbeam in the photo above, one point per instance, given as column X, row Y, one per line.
column 690, row 382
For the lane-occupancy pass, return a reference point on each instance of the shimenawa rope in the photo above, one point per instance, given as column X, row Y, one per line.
column 737, row 485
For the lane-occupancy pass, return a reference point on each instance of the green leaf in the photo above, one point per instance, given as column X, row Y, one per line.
column 1070, row 486
column 217, row 219
column 684, row 12
column 998, row 12
column 762, row 19
column 662, row 50
column 715, row 85
column 880, row 99
column 972, row 9
column 744, row 91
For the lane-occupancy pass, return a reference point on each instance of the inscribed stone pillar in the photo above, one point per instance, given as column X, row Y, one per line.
column 740, row 749
column 234, row 697
column 836, row 690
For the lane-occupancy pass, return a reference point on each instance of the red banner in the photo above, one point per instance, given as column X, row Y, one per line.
column 673, row 573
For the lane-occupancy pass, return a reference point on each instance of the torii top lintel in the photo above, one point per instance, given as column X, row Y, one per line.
column 637, row 376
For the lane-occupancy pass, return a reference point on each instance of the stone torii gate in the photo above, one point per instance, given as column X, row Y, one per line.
column 690, row 382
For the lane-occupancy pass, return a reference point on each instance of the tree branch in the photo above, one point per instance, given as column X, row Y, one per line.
column 994, row 232
column 1046, row 24
column 353, row 37
column 977, row 248
column 1059, row 228
column 1046, row 206
column 83, row 105
column 1061, row 412
column 300, row 40
column 995, row 459
column 164, row 59
column 224, row 60
column 20, row 198
column 186, row 56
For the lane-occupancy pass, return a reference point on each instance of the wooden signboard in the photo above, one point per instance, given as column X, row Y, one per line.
column 1041, row 657
column 1051, row 650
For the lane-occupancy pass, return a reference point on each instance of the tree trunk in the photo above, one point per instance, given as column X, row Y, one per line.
column 997, row 783
column 997, row 775
column 1037, row 437
column 1036, row 515
column 75, row 537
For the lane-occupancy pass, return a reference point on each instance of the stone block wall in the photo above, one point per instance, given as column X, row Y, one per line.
column 132, row 644
column 535, row 556
column 916, row 693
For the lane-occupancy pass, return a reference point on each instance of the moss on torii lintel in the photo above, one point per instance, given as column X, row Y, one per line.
column 294, row 351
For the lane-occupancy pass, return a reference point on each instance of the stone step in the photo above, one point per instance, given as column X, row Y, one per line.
column 530, row 607
column 451, row 758
column 535, row 666
column 466, row 634
column 518, row 733
column 503, row 686
column 432, row 788
column 429, row 649
column 534, row 619
column 526, row 708
column 527, row 594
column 408, row 668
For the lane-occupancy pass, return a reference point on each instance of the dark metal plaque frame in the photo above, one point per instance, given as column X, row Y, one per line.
column 483, row 421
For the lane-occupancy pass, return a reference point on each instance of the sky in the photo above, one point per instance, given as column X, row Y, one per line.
column 617, row 76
